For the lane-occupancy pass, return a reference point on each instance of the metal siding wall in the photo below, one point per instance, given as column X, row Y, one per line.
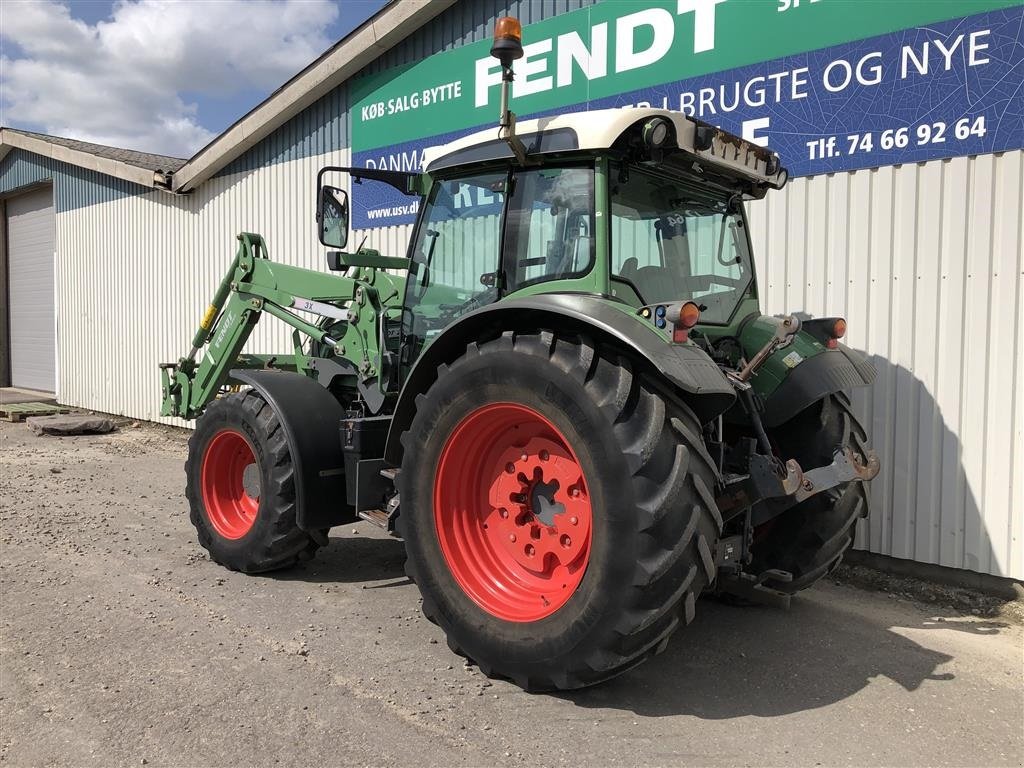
column 73, row 186
column 135, row 274
column 925, row 261
column 320, row 128
column 22, row 169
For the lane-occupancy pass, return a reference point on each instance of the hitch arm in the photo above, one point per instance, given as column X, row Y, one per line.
column 766, row 483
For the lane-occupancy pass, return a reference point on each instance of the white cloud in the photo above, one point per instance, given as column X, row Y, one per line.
column 120, row 82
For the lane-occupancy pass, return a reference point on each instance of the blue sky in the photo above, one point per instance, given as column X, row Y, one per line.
column 157, row 75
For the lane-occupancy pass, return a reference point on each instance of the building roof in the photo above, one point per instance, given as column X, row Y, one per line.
column 143, row 168
column 385, row 29
column 146, row 160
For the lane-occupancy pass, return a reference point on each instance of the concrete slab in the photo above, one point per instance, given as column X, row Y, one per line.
column 70, row 424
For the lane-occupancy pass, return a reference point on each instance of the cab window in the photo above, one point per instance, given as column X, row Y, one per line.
column 550, row 228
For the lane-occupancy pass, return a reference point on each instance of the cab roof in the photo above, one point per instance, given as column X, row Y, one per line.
column 601, row 129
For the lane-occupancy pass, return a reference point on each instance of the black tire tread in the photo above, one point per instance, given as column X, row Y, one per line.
column 810, row 539
column 287, row 544
column 661, row 438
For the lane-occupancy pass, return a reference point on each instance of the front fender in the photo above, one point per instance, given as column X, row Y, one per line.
column 311, row 419
column 687, row 368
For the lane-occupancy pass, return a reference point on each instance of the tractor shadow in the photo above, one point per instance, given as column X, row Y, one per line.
column 738, row 662
column 354, row 558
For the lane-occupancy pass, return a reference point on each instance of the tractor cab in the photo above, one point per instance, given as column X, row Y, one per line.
column 641, row 207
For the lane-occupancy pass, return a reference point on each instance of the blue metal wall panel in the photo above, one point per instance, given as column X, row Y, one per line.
column 23, row 169
column 73, row 187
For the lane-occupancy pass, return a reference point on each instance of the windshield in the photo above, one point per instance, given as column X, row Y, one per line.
column 675, row 241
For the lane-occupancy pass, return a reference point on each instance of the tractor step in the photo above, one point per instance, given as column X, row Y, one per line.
column 376, row 516
column 383, row 518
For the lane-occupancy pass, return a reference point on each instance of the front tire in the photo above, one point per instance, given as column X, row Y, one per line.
column 610, row 523
column 241, row 490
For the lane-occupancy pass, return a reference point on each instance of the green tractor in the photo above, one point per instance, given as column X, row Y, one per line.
column 564, row 399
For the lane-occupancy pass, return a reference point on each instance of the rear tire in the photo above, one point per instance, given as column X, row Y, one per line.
column 809, row 540
column 241, row 531
column 644, row 475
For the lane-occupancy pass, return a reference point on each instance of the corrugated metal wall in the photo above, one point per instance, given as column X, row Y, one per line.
column 134, row 276
column 925, row 262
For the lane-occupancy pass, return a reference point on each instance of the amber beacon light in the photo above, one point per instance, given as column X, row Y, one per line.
column 508, row 40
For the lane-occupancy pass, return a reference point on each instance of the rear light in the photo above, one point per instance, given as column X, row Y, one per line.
column 689, row 314
column 835, row 333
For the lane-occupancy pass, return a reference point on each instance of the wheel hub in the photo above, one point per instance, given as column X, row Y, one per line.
column 230, row 484
column 512, row 512
column 534, row 503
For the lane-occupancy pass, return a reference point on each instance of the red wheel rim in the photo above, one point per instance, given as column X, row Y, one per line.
column 229, row 507
column 512, row 512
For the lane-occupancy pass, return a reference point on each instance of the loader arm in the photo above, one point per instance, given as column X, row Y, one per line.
column 254, row 285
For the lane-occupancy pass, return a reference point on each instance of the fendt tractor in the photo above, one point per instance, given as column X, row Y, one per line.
column 564, row 398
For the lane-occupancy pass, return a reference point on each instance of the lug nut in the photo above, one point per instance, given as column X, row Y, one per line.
column 544, row 455
column 524, row 456
column 503, row 512
column 574, row 492
column 566, row 541
column 510, row 468
column 574, row 520
column 530, row 550
column 512, row 538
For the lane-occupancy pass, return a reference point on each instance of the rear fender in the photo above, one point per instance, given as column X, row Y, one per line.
column 802, row 372
column 686, row 369
column 311, row 419
column 830, row 371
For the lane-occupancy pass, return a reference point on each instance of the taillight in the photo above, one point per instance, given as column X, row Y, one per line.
column 835, row 333
column 689, row 314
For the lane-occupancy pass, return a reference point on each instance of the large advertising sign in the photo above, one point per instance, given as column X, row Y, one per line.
column 831, row 85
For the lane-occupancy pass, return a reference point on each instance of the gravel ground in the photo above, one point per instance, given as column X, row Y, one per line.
column 122, row 644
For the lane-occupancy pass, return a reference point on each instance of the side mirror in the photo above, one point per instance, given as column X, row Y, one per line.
column 332, row 217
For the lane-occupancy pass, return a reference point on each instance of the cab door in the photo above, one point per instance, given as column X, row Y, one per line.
column 454, row 256
column 550, row 227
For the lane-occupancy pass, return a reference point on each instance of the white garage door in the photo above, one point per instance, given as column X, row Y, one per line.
column 30, row 233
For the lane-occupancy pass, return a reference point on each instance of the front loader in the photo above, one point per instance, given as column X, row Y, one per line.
column 564, row 398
